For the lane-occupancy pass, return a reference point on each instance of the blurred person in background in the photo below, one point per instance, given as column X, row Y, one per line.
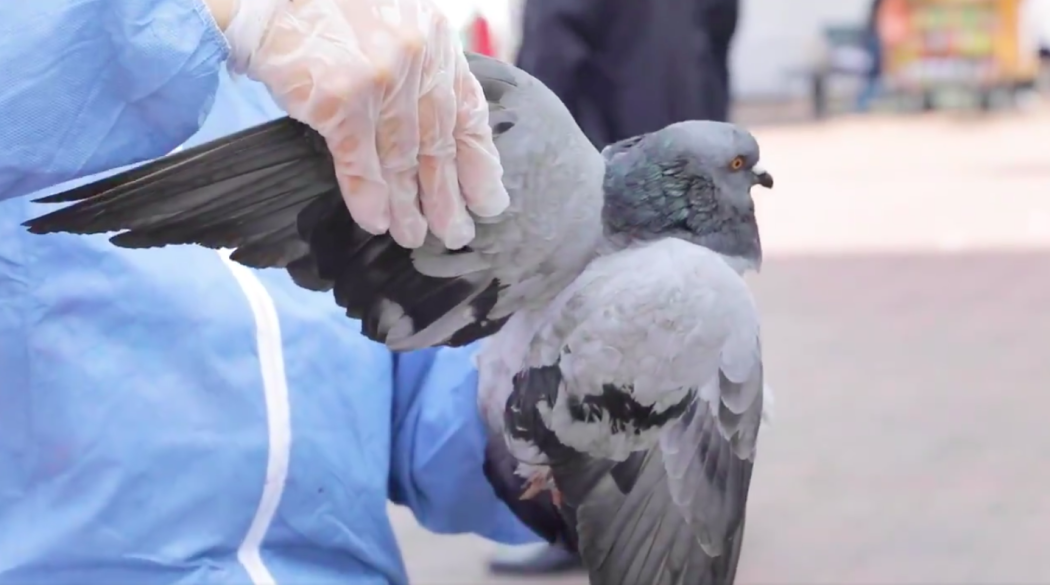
column 626, row 68
column 173, row 417
column 623, row 68
column 873, row 43
column 720, row 18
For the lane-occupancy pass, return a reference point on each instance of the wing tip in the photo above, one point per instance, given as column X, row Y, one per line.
column 47, row 224
column 33, row 227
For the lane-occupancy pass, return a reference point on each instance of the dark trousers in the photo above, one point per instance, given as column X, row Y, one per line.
column 721, row 23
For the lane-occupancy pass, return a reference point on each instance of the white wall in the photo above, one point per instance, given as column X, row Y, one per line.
column 778, row 36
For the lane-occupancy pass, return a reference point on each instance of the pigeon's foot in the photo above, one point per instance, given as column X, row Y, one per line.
column 536, row 484
column 539, row 481
column 556, row 496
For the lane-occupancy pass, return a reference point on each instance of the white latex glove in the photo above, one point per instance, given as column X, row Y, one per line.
column 386, row 83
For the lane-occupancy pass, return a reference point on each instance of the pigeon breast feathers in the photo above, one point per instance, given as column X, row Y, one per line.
column 656, row 316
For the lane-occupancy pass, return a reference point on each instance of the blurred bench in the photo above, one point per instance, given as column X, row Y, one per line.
column 840, row 51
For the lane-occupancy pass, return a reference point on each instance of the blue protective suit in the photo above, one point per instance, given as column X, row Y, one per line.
column 167, row 416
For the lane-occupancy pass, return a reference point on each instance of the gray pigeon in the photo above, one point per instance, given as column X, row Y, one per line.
column 622, row 385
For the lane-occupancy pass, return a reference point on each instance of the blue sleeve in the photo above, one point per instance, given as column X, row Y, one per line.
column 439, row 448
column 90, row 85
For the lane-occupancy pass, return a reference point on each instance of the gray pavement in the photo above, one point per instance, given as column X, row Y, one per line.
column 905, row 304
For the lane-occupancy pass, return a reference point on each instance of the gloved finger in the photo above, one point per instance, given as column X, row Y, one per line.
column 440, row 195
column 368, row 204
column 360, row 181
column 408, row 227
column 445, row 211
column 397, row 139
column 480, row 172
column 442, row 204
column 324, row 80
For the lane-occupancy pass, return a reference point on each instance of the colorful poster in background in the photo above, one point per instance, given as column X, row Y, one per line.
column 928, row 43
column 894, row 22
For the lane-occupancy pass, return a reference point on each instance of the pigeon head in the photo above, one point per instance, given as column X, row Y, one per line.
column 690, row 180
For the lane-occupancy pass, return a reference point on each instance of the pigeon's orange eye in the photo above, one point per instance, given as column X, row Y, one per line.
column 737, row 164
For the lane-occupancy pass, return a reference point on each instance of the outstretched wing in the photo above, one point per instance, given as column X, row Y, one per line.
column 270, row 193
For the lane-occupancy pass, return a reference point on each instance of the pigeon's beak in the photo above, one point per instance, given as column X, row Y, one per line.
column 762, row 177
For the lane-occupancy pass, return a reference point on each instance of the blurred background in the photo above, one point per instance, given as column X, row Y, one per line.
column 905, row 289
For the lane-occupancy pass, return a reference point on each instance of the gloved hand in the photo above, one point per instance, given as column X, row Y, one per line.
column 386, row 83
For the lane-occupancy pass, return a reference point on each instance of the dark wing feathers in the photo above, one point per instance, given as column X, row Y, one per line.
column 276, row 133
column 269, row 193
column 628, row 527
column 242, row 190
